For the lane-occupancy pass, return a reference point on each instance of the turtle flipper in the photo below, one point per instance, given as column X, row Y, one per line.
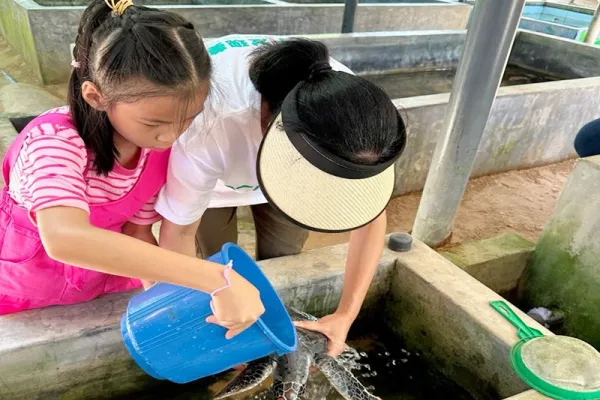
column 291, row 375
column 349, row 358
column 252, row 376
column 342, row 380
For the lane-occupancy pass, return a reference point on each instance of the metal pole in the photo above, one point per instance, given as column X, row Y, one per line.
column 490, row 36
column 349, row 13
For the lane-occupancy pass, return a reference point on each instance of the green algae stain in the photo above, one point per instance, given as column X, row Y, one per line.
column 479, row 251
column 507, row 148
column 557, row 277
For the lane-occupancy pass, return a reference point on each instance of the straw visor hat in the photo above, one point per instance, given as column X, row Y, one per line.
column 314, row 188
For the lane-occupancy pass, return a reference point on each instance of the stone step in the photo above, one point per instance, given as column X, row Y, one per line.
column 5, row 79
column 21, row 99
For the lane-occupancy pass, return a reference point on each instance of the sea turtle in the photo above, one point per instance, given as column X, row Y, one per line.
column 292, row 370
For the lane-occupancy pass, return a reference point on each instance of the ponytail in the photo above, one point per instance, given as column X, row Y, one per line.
column 276, row 68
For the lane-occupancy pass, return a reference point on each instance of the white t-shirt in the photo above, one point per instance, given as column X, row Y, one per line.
column 213, row 164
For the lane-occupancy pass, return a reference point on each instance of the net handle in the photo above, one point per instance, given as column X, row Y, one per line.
column 523, row 331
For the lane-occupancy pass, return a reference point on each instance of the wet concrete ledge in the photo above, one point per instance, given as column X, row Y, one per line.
column 76, row 351
column 445, row 313
column 529, row 395
column 496, row 262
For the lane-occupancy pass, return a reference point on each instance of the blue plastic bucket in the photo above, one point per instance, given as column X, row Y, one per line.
column 165, row 331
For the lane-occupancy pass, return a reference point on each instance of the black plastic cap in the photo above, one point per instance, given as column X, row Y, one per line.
column 400, row 242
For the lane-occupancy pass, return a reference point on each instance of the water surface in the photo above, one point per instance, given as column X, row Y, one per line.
column 418, row 83
column 386, row 366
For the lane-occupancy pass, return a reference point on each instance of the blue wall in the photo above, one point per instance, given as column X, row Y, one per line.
column 557, row 16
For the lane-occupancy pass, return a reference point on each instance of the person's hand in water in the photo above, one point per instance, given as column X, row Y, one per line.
column 334, row 326
column 236, row 307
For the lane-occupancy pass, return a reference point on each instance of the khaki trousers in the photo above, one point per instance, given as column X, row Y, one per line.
column 275, row 235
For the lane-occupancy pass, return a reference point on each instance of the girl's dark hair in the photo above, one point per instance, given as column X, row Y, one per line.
column 143, row 52
column 348, row 115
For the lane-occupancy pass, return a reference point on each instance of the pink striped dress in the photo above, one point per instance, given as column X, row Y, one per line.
column 54, row 168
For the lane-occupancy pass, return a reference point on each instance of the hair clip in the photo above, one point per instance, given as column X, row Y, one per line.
column 119, row 6
column 75, row 64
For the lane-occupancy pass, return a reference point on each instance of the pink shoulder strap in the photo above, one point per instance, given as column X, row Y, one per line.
column 13, row 151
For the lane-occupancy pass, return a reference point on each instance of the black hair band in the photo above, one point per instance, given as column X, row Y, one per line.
column 318, row 68
column 320, row 157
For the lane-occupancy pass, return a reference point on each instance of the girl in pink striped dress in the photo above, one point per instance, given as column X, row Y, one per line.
column 81, row 181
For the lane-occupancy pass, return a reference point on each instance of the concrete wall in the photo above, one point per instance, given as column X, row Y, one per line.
column 555, row 56
column 76, row 351
column 445, row 313
column 567, row 32
column 529, row 125
column 562, row 6
column 564, row 272
column 16, row 28
column 53, row 28
column 52, row 34
column 369, row 53
column 496, row 262
column 388, row 51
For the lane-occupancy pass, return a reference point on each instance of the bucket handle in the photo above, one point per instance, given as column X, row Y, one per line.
column 523, row 331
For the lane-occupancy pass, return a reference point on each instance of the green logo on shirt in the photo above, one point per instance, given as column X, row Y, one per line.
column 231, row 43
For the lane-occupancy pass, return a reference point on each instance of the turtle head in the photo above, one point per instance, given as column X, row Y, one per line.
column 297, row 315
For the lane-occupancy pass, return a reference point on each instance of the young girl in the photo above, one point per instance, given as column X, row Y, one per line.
column 326, row 163
column 81, row 182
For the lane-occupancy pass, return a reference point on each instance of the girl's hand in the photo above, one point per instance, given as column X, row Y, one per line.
column 334, row 326
column 237, row 307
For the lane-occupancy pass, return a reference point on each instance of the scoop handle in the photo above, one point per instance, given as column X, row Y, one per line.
column 523, row 331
